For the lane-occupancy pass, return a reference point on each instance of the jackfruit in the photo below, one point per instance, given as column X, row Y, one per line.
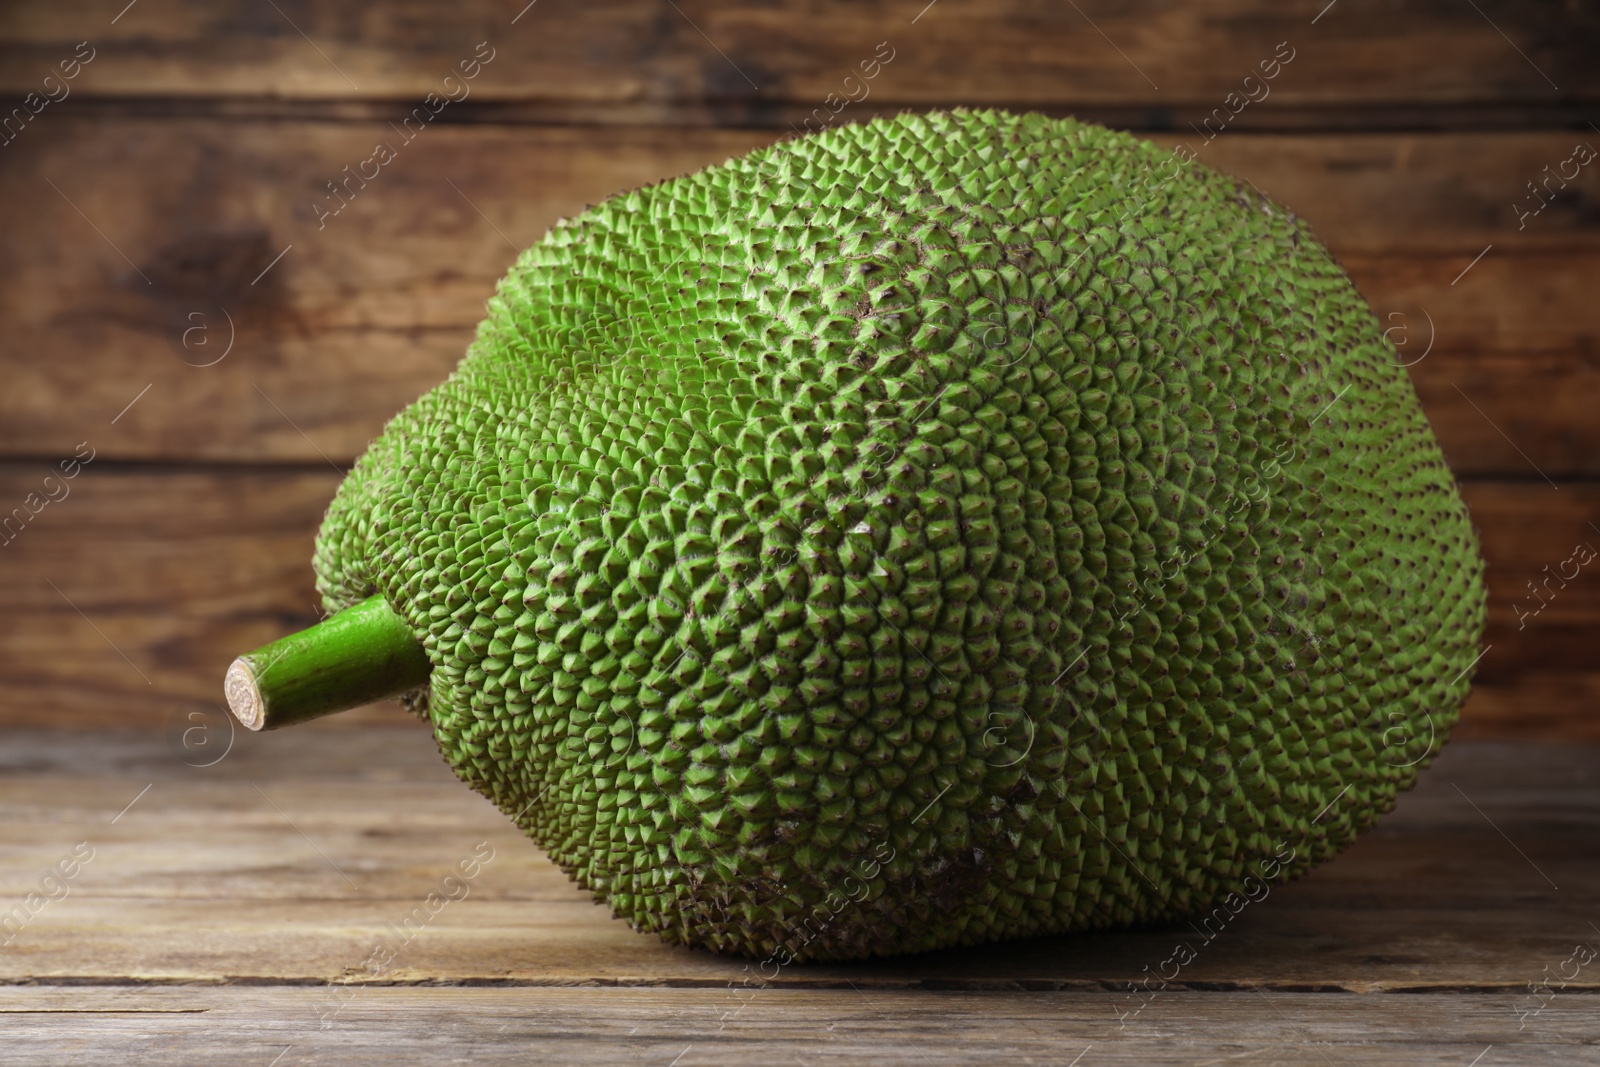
column 953, row 527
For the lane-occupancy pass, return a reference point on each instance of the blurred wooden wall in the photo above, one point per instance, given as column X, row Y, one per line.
column 162, row 204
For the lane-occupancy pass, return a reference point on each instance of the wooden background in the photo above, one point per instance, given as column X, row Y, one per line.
column 164, row 209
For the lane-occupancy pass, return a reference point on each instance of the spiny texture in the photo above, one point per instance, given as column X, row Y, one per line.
column 955, row 527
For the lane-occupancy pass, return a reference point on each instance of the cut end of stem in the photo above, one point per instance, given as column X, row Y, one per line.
column 364, row 653
column 244, row 696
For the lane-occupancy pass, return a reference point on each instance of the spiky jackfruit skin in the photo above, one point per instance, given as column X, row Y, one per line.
column 944, row 529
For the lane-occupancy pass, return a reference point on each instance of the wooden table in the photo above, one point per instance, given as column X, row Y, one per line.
column 227, row 910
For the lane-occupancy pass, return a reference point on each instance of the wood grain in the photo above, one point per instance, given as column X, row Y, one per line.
column 693, row 1028
column 286, row 860
column 361, row 316
column 701, row 61
column 226, row 911
column 129, row 597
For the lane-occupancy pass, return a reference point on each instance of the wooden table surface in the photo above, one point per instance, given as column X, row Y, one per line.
column 226, row 914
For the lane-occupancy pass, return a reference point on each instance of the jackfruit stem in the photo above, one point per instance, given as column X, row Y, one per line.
column 364, row 653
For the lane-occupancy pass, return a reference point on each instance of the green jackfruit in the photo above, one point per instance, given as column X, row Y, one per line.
column 954, row 527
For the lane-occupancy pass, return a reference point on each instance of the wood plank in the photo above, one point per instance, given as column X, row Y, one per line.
column 1537, row 623
column 174, row 573
column 131, row 595
column 360, row 317
column 1166, row 58
column 169, row 570
column 1556, row 704
column 376, row 308
column 693, row 1028
column 287, row 860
